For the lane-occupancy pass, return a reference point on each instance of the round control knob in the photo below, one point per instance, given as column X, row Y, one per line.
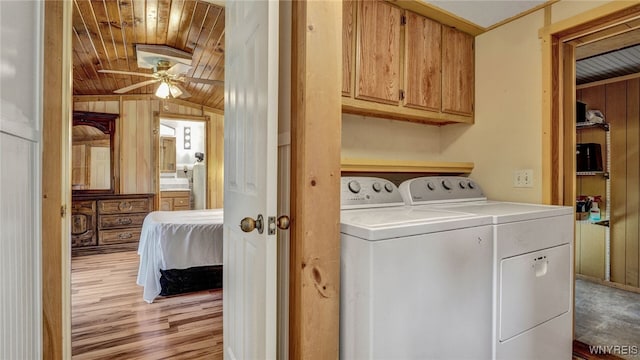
column 377, row 187
column 471, row 185
column 354, row 186
column 431, row 186
column 446, row 184
column 388, row 187
column 461, row 184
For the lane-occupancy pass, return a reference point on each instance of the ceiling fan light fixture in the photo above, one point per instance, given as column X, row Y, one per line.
column 163, row 90
column 175, row 91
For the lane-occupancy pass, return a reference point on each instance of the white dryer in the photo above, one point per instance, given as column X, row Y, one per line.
column 533, row 273
column 415, row 283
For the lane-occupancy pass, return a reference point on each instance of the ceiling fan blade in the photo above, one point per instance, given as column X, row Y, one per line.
column 126, row 73
column 135, row 86
column 201, row 81
column 178, row 68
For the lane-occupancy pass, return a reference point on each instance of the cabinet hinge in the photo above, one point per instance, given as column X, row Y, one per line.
column 63, row 210
column 403, row 20
column 401, row 94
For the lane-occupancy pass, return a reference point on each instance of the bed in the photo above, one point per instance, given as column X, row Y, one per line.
column 180, row 251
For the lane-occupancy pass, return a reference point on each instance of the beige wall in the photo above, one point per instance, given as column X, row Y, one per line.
column 373, row 138
column 507, row 134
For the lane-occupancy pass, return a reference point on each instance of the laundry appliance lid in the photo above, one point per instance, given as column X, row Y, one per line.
column 506, row 212
column 395, row 222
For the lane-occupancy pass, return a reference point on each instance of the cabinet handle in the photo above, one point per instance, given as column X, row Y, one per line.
column 124, row 221
column 124, row 205
column 125, row 235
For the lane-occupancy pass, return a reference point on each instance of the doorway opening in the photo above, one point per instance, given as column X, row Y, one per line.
column 594, row 117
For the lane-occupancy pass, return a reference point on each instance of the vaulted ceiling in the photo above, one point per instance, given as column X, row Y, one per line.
column 106, row 32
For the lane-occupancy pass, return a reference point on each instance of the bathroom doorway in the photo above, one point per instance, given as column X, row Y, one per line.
column 181, row 162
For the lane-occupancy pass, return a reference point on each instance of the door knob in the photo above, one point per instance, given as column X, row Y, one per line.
column 248, row 224
column 283, row 222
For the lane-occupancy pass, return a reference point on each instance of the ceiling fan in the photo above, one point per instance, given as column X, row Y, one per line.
column 170, row 67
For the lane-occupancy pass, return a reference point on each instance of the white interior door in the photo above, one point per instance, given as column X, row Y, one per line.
column 250, row 184
column 20, row 189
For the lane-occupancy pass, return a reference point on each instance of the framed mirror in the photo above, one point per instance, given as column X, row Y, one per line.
column 167, row 154
column 92, row 153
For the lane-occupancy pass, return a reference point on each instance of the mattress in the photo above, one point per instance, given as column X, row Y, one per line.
column 177, row 240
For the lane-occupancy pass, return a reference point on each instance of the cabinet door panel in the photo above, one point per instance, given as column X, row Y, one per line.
column 348, row 32
column 457, row 72
column 423, row 56
column 83, row 223
column 378, row 52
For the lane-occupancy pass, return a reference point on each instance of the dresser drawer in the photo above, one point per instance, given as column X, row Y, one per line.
column 107, row 237
column 181, row 202
column 124, row 206
column 121, row 221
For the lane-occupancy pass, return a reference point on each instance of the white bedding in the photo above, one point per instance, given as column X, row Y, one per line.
column 177, row 240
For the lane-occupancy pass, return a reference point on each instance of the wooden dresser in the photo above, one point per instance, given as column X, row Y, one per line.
column 107, row 223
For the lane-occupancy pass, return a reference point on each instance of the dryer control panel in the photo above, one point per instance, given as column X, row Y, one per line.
column 368, row 192
column 431, row 189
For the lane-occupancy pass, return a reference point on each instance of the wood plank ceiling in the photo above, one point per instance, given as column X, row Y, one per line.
column 105, row 34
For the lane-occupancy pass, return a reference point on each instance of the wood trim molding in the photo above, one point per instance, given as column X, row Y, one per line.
column 169, row 115
column 156, row 159
column 609, row 283
column 56, row 182
column 439, row 15
column 316, row 82
column 592, row 21
column 546, row 5
column 386, row 111
column 121, row 98
column 609, row 81
column 430, row 167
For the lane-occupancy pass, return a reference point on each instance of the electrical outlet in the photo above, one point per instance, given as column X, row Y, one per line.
column 523, row 178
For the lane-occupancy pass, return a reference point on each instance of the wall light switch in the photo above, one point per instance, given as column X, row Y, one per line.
column 523, row 178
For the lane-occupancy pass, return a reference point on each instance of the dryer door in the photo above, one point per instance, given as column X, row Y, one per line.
column 534, row 288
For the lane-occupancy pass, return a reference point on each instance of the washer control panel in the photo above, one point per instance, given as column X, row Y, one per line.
column 440, row 188
column 362, row 192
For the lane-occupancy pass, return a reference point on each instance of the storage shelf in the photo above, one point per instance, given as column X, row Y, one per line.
column 430, row 167
column 591, row 125
column 603, row 222
column 593, row 173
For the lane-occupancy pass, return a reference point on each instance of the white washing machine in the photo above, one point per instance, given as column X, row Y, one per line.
column 533, row 272
column 415, row 283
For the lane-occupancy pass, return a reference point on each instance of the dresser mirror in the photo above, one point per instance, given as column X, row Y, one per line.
column 92, row 153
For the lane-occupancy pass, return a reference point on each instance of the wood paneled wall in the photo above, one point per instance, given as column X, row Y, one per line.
column 135, row 138
column 619, row 102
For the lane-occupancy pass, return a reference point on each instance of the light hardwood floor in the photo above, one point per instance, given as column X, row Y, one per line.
column 111, row 321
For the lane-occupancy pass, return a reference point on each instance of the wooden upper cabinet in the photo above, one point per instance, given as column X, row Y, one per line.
column 348, row 36
column 457, row 72
column 399, row 64
column 378, row 52
column 423, row 61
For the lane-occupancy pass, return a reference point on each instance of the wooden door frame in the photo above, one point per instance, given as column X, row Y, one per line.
column 314, row 265
column 315, row 178
column 157, row 116
column 56, row 180
column 559, row 91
